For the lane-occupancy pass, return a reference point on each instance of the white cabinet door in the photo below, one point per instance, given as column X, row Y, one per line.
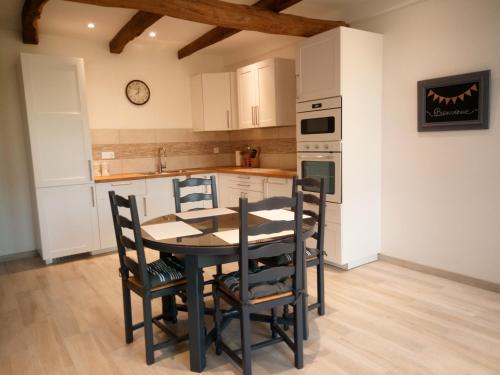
column 54, row 89
column 68, row 220
column 332, row 243
column 247, row 93
column 318, row 66
column 266, row 93
column 278, row 187
column 217, row 101
column 159, row 199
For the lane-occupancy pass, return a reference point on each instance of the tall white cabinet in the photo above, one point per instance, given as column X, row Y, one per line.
column 266, row 93
column 56, row 108
column 347, row 63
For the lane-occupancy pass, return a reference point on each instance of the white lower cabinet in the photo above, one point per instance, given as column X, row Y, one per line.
column 234, row 186
column 123, row 188
column 68, row 220
column 277, row 187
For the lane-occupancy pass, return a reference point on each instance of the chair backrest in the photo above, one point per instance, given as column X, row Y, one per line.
column 125, row 243
column 293, row 246
column 195, row 197
column 317, row 184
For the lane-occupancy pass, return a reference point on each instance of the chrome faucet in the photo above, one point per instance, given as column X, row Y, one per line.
column 162, row 159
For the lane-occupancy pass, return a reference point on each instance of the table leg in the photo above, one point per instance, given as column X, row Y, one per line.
column 195, row 314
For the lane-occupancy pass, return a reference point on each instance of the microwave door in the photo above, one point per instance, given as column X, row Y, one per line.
column 319, row 125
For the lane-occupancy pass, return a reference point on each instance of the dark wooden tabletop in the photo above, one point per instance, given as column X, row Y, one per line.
column 207, row 243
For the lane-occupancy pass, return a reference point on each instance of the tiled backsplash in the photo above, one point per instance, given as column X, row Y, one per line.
column 136, row 150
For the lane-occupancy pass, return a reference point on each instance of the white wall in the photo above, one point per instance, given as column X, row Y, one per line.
column 107, row 75
column 441, row 191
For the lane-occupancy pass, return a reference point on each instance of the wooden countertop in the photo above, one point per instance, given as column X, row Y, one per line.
column 264, row 172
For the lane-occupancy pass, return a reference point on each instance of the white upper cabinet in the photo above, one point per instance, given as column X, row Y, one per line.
column 57, row 120
column 266, row 94
column 213, row 100
column 318, row 66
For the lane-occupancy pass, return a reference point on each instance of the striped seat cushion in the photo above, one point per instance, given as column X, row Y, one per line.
column 285, row 259
column 161, row 271
column 231, row 282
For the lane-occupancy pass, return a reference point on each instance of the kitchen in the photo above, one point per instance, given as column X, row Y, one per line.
column 201, row 134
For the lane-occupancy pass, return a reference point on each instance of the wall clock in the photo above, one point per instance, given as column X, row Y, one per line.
column 137, row 92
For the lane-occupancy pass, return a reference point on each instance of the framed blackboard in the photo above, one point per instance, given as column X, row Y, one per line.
column 454, row 103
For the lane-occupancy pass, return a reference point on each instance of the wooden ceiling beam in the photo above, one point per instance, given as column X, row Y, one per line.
column 220, row 13
column 32, row 10
column 219, row 33
column 132, row 29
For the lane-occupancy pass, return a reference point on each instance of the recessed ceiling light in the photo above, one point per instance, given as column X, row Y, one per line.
column 91, row 25
column 152, row 34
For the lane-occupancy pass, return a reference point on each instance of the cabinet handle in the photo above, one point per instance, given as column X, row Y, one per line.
column 244, row 185
column 245, row 177
column 122, row 184
column 297, row 86
column 91, row 172
column 253, row 115
column 257, row 115
column 227, row 120
column 92, row 195
column 145, row 203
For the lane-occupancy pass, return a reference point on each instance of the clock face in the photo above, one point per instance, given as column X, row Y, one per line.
column 137, row 92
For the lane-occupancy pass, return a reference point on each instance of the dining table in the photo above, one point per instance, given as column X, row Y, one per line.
column 205, row 249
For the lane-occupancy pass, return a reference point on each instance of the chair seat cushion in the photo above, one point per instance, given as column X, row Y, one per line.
column 161, row 271
column 285, row 259
column 231, row 283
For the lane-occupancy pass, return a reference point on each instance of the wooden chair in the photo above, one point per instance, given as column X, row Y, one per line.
column 195, row 197
column 161, row 278
column 264, row 288
column 314, row 256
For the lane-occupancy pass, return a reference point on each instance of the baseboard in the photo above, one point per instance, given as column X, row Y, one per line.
column 17, row 256
column 103, row 251
column 354, row 264
column 472, row 281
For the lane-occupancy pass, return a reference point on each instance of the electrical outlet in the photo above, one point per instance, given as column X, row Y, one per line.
column 107, row 155
column 216, row 150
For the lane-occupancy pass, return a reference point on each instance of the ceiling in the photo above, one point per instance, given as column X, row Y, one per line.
column 70, row 19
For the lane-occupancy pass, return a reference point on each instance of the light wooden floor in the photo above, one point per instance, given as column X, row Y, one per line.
column 381, row 319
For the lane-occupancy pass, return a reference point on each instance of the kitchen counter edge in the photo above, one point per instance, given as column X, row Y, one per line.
column 263, row 172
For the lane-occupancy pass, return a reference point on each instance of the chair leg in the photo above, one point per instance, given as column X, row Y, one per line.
column 321, row 285
column 298, row 317
column 148, row 329
column 218, row 269
column 286, row 316
column 246, row 342
column 127, row 313
column 305, row 308
column 217, row 321
column 273, row 323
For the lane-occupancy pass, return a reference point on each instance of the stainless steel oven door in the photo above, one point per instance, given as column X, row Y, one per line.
column 327, row 165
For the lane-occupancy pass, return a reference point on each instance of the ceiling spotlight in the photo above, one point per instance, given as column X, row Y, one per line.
column 152, row 34
column 91, row 25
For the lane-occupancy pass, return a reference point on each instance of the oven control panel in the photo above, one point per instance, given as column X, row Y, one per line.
column 319, row 146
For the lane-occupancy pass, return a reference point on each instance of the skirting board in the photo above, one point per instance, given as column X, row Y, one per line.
column 478, row 283
column 23, row 255
column 354, row 264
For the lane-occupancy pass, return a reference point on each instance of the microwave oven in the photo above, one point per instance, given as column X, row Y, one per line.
column 319, row 120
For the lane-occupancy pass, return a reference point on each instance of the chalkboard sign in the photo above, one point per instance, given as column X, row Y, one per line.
column 454, row 103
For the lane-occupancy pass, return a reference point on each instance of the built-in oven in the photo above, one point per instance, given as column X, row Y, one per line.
column 319, row 120
column 322, row 159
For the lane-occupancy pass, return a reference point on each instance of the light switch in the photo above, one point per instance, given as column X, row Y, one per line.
column 107, row 155
column 216, row 150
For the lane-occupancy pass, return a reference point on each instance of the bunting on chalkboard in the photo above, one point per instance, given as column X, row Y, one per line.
column 452, row 99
